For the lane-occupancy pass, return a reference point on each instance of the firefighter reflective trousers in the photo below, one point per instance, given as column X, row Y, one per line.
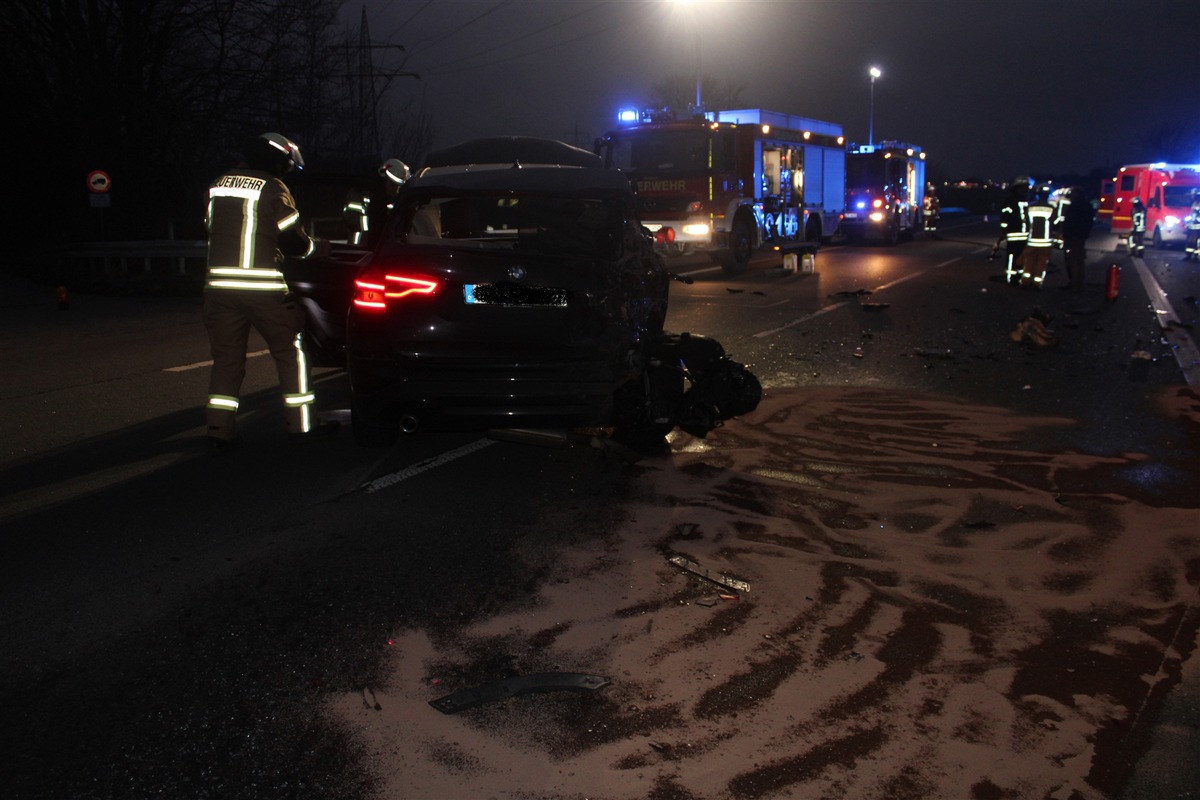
column 228, row 316
column 1033, row 262
column 1012, row 268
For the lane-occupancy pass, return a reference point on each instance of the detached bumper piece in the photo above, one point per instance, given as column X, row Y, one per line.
column 721, row 388
column 522, row 684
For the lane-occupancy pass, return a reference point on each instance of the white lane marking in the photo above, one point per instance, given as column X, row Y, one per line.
column 1182, row 345
column 41, row 497
column 836, row 306
column 201, row 364
column 890, row 284
column 423, row 466
column 801, row 320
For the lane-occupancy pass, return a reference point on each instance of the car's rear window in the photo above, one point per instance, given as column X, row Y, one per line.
column 485, row 221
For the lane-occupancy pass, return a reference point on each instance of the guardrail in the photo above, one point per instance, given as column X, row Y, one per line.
column 101, row 261
column 154, row 260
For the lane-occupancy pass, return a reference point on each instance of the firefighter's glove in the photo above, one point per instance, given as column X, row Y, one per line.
column 321, row 249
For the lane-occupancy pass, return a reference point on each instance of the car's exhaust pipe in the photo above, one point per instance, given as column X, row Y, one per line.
column 409, row 424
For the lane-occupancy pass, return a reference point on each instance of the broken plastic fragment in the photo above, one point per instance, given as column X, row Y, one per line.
column 523, row 684
column 715, row 577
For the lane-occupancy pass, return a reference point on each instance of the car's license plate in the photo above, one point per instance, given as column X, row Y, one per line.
column 508, row 294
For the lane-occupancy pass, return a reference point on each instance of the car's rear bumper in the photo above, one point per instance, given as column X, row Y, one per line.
column 466, row 394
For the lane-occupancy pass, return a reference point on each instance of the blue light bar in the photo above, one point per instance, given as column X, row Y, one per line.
column 628, row 116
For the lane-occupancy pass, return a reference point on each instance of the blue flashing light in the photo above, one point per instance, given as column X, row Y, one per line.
column 628, row 116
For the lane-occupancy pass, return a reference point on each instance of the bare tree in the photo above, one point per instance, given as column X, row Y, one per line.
column 162, row 94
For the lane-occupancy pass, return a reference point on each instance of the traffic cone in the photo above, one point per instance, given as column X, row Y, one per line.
column 64, row 302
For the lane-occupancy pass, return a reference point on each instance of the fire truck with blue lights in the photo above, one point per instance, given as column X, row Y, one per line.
column 1165, row 191
column 728, row 182
column 885, row 191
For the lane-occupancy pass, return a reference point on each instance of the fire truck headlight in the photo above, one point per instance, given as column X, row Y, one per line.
column 1172, row 220
column 877, row 203
column 696, row 229
column 876, row 216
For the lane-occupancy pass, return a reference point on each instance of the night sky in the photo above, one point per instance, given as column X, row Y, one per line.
column 989, row 88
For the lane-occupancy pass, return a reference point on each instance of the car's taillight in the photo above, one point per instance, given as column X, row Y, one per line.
column 375, row 290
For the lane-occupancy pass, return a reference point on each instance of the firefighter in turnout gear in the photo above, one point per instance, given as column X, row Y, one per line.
column 1014, row 226
column 1043, row 222
column 366, row 212
column 1137, row 237
column 1192, row 221
column 252, row 223
column 1077, row 217
column 932, row 212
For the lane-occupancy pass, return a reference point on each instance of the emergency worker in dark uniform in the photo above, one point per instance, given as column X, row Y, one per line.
column 1077, row 217
column 1014, row 226
column 366, row 212
column 1192, row 221
column 932, row 212
column 1137, row 237
column 252, row 223
column 1042, row 223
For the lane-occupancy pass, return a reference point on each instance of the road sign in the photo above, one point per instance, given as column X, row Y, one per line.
column 98, row 181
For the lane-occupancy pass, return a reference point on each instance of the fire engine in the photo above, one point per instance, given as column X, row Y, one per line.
column 1108, row 191
column 1166, row 192
column 885, row 191
column 727, row 182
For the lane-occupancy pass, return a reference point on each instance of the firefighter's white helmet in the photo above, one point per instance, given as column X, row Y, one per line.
column 395, row 171
column 274, row 152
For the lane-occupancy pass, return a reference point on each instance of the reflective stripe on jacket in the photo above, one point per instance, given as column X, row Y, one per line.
column 247, row 211
column 1013, row 222
column 1042, row 219
column 1138, row 216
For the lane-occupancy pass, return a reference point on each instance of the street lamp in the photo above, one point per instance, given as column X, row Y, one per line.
column 875, row 73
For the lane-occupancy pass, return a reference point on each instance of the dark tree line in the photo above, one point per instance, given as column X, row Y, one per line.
column 161, row 94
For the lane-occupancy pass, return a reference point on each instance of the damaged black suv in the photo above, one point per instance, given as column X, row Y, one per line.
column 515, row 287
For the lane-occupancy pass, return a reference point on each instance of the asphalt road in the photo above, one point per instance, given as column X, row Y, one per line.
column 172, row 622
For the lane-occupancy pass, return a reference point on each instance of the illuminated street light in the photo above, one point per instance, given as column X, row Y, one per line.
column 875, row 73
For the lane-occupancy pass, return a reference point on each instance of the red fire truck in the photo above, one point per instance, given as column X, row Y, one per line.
column 1108, row 191
column 885, row 191
column 727, row 182
column 1166, row 192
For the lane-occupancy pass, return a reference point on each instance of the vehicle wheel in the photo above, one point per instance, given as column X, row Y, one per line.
column 736, row 258
column 812, row 232
column 373, row 429
column 1157, row 238
column 648, row 409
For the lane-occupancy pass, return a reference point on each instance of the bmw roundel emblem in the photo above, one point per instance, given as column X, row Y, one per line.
column 517, row 273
